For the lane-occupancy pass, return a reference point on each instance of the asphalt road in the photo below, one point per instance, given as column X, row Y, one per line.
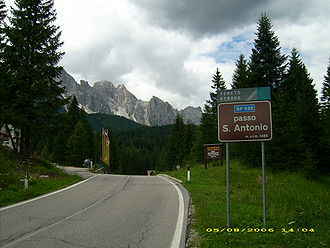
column 103, row 211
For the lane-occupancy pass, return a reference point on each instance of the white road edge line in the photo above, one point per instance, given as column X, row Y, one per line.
column 46, row 195
column 66, row 218
column 179, row 223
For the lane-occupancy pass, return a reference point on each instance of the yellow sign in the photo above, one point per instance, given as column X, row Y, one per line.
column 213, row 151
column 105, row 147
column 213, row 148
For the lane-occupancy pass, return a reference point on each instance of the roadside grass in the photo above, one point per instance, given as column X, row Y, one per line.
column 297, row 208
column 43, row 178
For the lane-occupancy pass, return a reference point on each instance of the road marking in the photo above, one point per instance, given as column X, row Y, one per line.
column 68, row 217
column 179, row 223
column 46, row 195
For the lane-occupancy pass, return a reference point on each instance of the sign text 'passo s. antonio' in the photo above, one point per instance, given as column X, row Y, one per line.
column 245, row 121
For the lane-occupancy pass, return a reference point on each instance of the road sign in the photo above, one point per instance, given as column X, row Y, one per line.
column 213, row 151
column 244, row 95
column 245, row 121
column 105, row 147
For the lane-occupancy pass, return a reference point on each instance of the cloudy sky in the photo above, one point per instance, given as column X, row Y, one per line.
column 171, row 48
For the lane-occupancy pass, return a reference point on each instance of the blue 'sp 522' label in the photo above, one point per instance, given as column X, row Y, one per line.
column 244, row 108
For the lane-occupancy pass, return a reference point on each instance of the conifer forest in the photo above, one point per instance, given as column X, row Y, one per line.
column 56, row 129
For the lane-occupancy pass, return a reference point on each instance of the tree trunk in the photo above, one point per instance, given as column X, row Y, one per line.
column 11, row 137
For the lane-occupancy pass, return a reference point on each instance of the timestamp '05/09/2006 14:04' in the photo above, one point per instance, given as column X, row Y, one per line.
column 259, row 230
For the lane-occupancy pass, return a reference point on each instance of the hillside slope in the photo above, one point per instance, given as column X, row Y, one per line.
column 297, row 209
column 113, row 122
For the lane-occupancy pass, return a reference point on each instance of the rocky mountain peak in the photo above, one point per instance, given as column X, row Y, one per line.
column 156, row 99
column 121, row 87
column 104, row 97
column 84, row 84
column 104, row 84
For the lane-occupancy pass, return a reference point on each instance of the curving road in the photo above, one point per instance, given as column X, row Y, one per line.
column 102, row 211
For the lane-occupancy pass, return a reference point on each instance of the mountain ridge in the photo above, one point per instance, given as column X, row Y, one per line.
column 105, row 97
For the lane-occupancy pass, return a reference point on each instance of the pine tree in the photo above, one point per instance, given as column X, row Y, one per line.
column 308, row 108
column 73, row 114
column 70, row 120
column 3, row 13
column 266, row 68
column 178, row 147
column 267, row 65
column 324, row 153
column 208, row 128
column 209, row 119
column 31, row 56
column 297, row 119
column 89, row 134
column 326, row 88
column 65, row 129
column 4, row 89
column 77, row 145
column 240, row 76
column 218, row 84
column 174, row 153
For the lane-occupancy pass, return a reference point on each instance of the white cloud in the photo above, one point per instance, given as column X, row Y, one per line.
column 171, row 49
column 311, row 38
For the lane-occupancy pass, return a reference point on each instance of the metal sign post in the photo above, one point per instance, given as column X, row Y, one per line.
column 228, row 184
column 245, row 115
column 263, row 180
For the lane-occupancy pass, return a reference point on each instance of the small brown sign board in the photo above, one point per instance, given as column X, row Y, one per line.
column 245, row 121
column 213, row 151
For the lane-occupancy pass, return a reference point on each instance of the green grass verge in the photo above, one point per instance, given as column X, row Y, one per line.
column 43, row 178
column 297, row 208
